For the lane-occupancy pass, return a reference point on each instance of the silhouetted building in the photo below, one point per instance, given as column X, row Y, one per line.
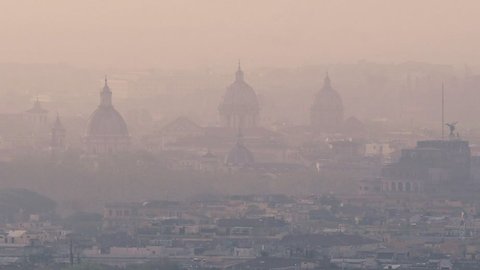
column 37, row 119
column 354, row 128
column 58, row 137
column 175, row 131
column 209, row 162
column 37, row 114
column 239, row 108
column 107, row 131
column 186, row 143
column 428, row 166
column 326, row 114
column 27, row 130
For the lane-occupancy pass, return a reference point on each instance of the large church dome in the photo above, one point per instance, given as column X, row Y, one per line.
column 107, row 131
column 327, row 110
column 106, row 121
column 239, row 107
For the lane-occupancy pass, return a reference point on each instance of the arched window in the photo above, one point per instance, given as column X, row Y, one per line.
column 408, row 187
column 400, row 186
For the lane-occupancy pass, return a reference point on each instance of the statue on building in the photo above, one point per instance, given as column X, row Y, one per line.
column 452, row 127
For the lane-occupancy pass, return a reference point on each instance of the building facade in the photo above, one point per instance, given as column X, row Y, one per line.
column 429, row 166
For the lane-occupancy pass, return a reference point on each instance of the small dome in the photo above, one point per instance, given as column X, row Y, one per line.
column 106, row 121
column 239, row 155
column 327, row 109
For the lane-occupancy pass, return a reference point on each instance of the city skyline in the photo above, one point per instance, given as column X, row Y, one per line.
column 239, row 135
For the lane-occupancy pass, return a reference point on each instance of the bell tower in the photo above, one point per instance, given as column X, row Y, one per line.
column 57, row 144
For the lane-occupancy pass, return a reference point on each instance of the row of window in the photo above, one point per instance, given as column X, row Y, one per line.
column 401, row 187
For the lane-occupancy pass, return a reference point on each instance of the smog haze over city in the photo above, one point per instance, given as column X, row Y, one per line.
column 222, row 134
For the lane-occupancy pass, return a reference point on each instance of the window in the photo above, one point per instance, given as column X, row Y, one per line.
column 400, row 186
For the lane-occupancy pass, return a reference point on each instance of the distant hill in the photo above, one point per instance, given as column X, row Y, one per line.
column 14, row 201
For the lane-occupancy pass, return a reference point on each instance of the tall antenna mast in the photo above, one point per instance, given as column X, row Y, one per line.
column 443, row 111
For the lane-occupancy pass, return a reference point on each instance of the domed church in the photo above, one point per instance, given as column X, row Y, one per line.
column 239, row 108
column 326, row 114
column 107, row 132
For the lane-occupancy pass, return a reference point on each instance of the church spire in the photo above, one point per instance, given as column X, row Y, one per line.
column 106, row 95
column 239, row 73
column 58, row 135
column 105, row 86
column 326, row 83
column 58, row 124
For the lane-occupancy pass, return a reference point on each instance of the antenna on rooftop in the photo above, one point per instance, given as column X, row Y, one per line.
column 443, row 111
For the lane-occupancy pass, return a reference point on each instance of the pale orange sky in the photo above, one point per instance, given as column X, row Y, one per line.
column 204, row 33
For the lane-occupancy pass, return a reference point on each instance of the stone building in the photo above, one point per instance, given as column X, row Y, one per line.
column 429, row 166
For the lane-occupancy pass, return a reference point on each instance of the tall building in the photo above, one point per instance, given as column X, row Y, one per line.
column 326, row 114
column 107, row 132
column 239, row 108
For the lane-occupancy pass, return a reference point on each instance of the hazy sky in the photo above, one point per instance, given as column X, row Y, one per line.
column 201, row 33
